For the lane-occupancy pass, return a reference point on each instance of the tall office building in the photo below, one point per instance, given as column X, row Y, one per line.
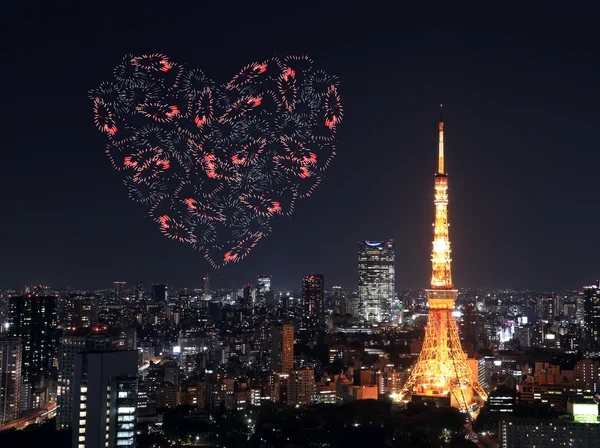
column 104, row 399
column 72, row 343
column 10, row 379
column 263, row 289
column 249, row 295
column 79, row 311
column 159, row 293
column 282, row 348
column 34, row 320
column 206, row 286
column 376, row 280
column 313, row 298
column 591, row 318
column 470, row 328
column 139, row 292
column 119, row 291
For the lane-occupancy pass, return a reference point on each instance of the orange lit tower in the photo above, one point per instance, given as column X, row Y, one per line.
column 442, row 372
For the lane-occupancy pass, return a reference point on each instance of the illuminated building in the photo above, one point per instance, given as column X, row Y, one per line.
column 79, row 311
column 104, row 399
column 263, row 290
column 442, row 373
column 249, row 295
column 376, row 280
column 301, row 387
column 470, row 328
column 34, row 320
column 159, row 293
column 540, row 432
column 591, row 318
column 282, row 350
column 72, row 343
column 10, row 379
column 139, row 292
column 313, row 297
column 119, row 290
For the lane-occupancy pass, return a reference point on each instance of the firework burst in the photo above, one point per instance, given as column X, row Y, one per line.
column 216, row 164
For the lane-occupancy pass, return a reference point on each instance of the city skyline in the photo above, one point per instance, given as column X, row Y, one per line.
column 524, row 167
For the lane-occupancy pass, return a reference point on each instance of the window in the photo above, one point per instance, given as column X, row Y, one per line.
column 82, row 438
column 125, row 418
column 123, row 394
column 126, row 410
column 81, row 430
column 123, row 434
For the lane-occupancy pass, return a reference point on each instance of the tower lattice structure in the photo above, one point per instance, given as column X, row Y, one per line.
column 442, row 371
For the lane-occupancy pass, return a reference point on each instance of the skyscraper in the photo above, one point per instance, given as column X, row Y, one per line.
column 442, row 372
column 139, row 292
column 591, row 318
column 313, row 298
column 34, row 320
column 263, row 289
column 282, row 348
column 376, row 280
column 104, row 399
column 10, row 379
column 159, row 293
column 119, row 290
column 72, row 343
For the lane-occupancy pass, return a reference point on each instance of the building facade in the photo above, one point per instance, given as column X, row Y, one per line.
column 376, row 280
column 282, row 351
column 10, row 379
column 313, row 298
column 104, row 399
column 71, row 344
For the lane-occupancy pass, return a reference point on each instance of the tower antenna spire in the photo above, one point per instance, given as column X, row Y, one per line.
column 441, row 142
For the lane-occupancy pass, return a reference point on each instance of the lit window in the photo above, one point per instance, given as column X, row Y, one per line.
column 123, row 394
column 126, row 410
column 82, row 414
column 82, row 438
column 81, row 430
column 81, row 422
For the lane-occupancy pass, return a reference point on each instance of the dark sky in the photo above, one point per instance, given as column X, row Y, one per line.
column 521, row 100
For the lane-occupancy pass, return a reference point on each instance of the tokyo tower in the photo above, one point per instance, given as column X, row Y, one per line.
column 442, row 372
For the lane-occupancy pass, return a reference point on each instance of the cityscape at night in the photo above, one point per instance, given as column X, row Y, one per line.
column 233, row 226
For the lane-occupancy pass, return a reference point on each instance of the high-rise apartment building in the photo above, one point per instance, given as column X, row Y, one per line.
column 10, row 379
column 591, row 318
column 72, row 343
column 104, row 399
column 159, row 293
column 313, row 298
column 79, row 311
column 282, row 348
column 376, row 280
column 34, row 320
column 301, row 387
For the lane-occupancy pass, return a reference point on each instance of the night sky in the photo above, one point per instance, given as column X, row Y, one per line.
column 521, row 113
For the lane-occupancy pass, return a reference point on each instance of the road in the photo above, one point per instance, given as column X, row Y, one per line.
column 37, row 416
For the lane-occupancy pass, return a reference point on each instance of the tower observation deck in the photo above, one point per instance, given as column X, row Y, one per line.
column 442, row 372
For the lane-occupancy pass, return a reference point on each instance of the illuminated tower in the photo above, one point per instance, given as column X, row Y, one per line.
column 442, row 372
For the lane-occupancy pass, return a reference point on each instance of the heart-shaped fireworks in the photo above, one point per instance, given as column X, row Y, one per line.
column 214, row 164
